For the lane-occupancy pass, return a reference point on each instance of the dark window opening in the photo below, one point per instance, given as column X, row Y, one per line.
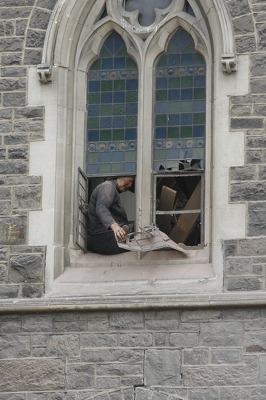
column 178, row 207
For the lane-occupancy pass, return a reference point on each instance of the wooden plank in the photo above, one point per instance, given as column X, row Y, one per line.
column 186, row 222
column 167, row 201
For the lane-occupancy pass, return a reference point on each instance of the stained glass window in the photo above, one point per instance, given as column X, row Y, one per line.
column 112, row 111
column 180, row 105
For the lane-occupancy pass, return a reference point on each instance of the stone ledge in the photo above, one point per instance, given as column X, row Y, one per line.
column 117, row 302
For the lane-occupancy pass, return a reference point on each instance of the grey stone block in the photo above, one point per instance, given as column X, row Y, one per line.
column 5, row 193
column 3, row 273
column 239, row 393
column 70, row 326
column 48, row 4
column 13, row 396
column 32, row 57
column 246, row 123
column 29, row 125
column 11, row 59
column 258, row 393
column 13, row 167
column 3, row 253
column 162, row 368
column 6, row 113
column 27, row 198
column 39, row 19
column 162, row 320
column 244, row 284
column 63, row 346
column 8, row 291
column 18, row 153
column 243, row 24
column 246, row 44
column 99, row 340
column 107, row 383
column 37, row 323
column 225, row 356
column 252, row 247
column 32, row 374
column 138, row 339
column 17, row 99
column 196, row 356
column 221, row 375
column 201, row 315
column 258, row 86
column 12, row 84
column 13, row 230
column 16, row 139
column 15, row 346
column 221, row 334
column 127, row 320
column 16, row 3
column 237, row 8
column 35, row 38
column 182, row 340
column 255, row 341
column 257, row 219
column 238, row 266
column 2, row 154
column 119, row 369
column 29, row 112
column 14, row 72
column 262, row 37
column 204, row 394
column 21, row 26
column 5, row 126
column 23, row 180
column 248, row 191
column 11, row 44
column 112, row 355
column 80, row 376
column 244, row 173
column 26, row 268
column 254, row 156
column 14, row 13
column 32, row 291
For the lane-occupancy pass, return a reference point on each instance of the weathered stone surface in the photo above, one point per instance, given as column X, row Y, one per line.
column 254, row 156
column 186, row 339
column 37, row 323
column 126, row 320
column 5, row 207
column 246, row 123
column 244, row 284
column 3, row 253
column 40, row 19
column 221, row 334
column 35, row 38
column 17, row 346
column 14, row 72
column 8, row 291
column 243, row 24
column 32, row 374
column 14, row 13
column 99, row 340
column 29, row 112
column 219, row 375
column 257, row 219
column 33, row 57
column 238, row 266
column 3, row 273
column 252, row 247
column 162, row 367
column 262, row 37
column 23, row 180
column 195, row 356
column 16, row 99
column 257, row 85
column 11, row 59
column 10, row 44
column 5, row 126
column 251, row 191
column 239, row 8
column 246, row 44
column 18, row 153
column 200, row 315
column 21, row 26
column 162, row 320
column 119, row 369
column 80, row 376
column 63, row 346
column 48, row 4
column 26, row 268
column 7, row 28
column 32, row 291
column 16, row 139
column 27, row 198
column 112, row 355
column 10, row 84
column 13, row 230
column 29, row 125
column 225, row 356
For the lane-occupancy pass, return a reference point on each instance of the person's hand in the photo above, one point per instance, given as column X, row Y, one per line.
column 120, row 233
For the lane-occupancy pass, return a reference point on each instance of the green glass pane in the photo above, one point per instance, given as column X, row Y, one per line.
column 198, row 59
column 174, row 83
column 121, row 52
column 117, row 168
column 199, row 93
column 130, row 156
column 96, row 65
column 190, row 48
column 119, row 109
column 106, row 86
column 106, row 134
column 174, row 107
column 93, row 158
column 131, row 121
column 119, row 85
column 130, row 63
column 198, row 153
column 118, row 134
column 106, row 109
column 199, row 118
column 105, row 53
column 161, row 120
column 93, row 123
column 186, row 131
column 160, row 154
column 187, row 81
column 94, row 98
column 162, row 62
column 131, row 96
column 173, row 132
column 187, row 106
column 161, row 95
column 104, row 168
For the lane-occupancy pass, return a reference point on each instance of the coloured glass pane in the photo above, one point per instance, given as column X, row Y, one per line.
column 112, row 110
column 180, row 103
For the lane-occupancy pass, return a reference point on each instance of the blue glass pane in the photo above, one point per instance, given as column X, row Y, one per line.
column 112, row 110
column 180, row 105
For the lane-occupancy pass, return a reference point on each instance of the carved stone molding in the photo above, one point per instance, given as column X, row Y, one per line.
column 44, row 72
column 229, row 63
